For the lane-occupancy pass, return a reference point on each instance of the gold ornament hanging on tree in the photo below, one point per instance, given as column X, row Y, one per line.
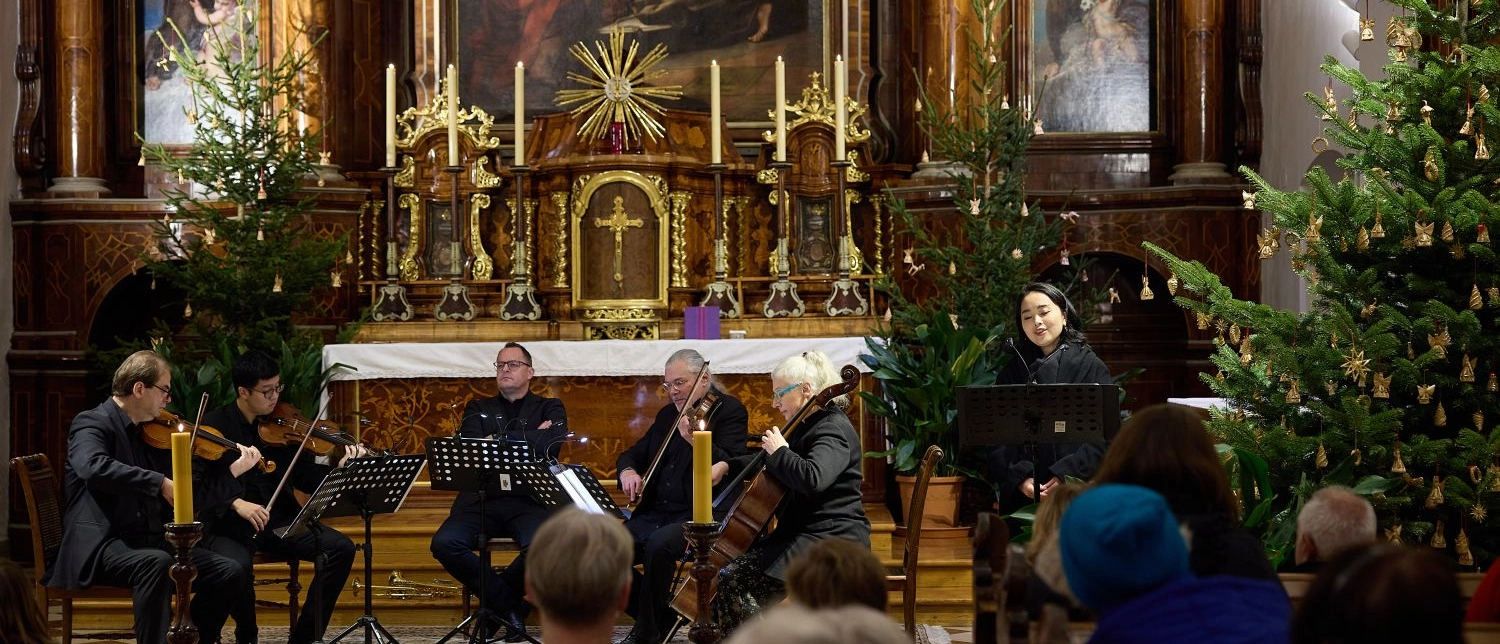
column 1468, row 127
column 1440, row 341
column 276, row 285
column 1356, row 455
column 1366, row 29
column 1268, row 240
column 1246, row 353
column 1356, row 365
column 336, row 278
column 1461, row 546
column 1466, row 373
column 1494, row 384
column 1292, row 395
column 1435, row 497
column 1426, row 112
column 1447, row 234
column 1476, row 302
column 1440, row 416
column 1478, row 418
column 1320, row 459
column 1478, row 512
column 1202, row 320
column 1234, row 333
column 1483, row 232
column 1397, row 465
column 1424, row 394
column 1172, row 284
column 1146, row 293
column 1314, row 233
column 1393, row 534
column 1429, row 164
column 1377, row 231
column 1362, row 240
column 1330, row 103
column 1439, row 541
column 1424, row 233
column 1481, row 152
column 1382, row 386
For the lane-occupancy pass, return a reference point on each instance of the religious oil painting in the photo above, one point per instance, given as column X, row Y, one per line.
column 745, row 36
column 1091, row 61
column 194, row 26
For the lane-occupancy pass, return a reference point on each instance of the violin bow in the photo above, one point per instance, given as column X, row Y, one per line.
column 661, row 450
column 193, row 437
column 285, row 476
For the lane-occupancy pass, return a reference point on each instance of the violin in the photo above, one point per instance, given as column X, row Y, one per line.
column 210, row 444
column 695, row 413
column 286, row 426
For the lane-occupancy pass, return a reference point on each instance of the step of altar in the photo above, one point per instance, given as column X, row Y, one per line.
column 401, row 540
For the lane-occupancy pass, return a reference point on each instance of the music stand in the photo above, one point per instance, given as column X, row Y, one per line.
column 364, row 487
column 481, row 465
column 580, row 489
column 1029, row 415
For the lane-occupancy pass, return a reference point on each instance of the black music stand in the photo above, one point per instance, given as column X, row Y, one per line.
column 482, row 466
column 1029, row 415
column 582, row 490
column 363, row 487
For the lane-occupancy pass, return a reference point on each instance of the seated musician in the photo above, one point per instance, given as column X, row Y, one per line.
column 118, row 503
column 817, row 462
column 656, row 524
column 515, row 414
column 1053, row 350
column 233, row 502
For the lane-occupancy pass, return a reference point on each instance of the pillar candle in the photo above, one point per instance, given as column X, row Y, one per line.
column 840, row 90
column 716, row 155
column 182, row 478
column 780, row 110
column 520, row 113
column 703, row 486
column 390, row 116
column 452, row 115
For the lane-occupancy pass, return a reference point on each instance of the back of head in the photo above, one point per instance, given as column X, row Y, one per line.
column 1336, row 519
column 578, row 566
column 836, row 572
column 22, row 621
column 145, row 366
column 1382, row 593
column 1166, row 448
column 795, row 624
column 1119, row 542
column 811, row 367
column 1048, row 515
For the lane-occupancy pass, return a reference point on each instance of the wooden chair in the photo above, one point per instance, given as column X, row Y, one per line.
column 906, row 581
column 991, row 574
column 495, row 543
column 40, row 488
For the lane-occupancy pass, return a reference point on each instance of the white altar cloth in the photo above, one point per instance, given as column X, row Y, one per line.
column 578, row 358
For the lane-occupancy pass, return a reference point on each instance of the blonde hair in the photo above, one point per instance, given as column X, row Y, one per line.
column 795, row 624
column 145, row 366
column 837, row 572
column 811, row 367
column 1048, row 515
column 577, row 567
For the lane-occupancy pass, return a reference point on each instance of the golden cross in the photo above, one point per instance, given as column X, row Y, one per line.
column 618, row 221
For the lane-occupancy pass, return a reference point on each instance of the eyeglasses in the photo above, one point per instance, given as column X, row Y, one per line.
column 510, row 365
column 165, row 391
column 784, row 391
column 676, row 384
column 271, row 391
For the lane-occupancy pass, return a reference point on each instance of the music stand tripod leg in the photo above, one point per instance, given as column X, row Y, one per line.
column 372, row 629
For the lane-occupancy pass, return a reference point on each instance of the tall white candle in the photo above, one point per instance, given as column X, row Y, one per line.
column 716, row 156
column 520, row 113
column 840, row 89
column 390, row 116
column 452, row 115
column 780, row 110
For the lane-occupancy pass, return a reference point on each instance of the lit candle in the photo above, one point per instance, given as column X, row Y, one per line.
column 390, row 116
column 716, row 156
column 452, row 115
column 703, row 487
column 840, row 89
column 780, row 110
column 182, row 478
column 520, row 113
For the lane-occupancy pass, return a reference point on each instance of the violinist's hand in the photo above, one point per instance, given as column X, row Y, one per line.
column 685, row 428
column 353, row 451
column 1028, row 488
column 255, row 514
column 167, row 490
column 772, row 440
column 1049, row 486
column 249, row 456
column 630, row 484
column 718, row 471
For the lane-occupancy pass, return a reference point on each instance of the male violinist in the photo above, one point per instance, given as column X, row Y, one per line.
column 656, row 524
column 234, row 502
column 117, row 505
column 515, row 414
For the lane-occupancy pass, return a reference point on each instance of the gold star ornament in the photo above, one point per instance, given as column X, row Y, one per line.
column 617, row 90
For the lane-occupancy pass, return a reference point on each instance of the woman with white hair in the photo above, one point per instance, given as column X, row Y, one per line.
column 818, row 464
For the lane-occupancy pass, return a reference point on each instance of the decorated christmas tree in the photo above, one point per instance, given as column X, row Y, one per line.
column 1388, row 382
column 237, row 241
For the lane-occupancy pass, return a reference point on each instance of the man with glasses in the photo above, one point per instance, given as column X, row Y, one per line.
column 118, row 501
column 656, row 523
column 514, row 414
column 233, row 500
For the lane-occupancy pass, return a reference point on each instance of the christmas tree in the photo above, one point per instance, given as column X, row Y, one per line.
column 1388, row 383
column 237, row 240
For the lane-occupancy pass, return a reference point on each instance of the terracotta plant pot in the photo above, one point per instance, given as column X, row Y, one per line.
column 943, row 493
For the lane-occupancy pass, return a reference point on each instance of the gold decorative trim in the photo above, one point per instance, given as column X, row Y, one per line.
column 473, row 123
column 629, row 314
column 406, row 177
column 856, row 257
column 560, row 261
column 852, row 174
column 635, row 331
column 878, row 203
column 767, row 177
column 679, row 238
column 741, row 204
column 520, row 223
column 484, row 266
column 411, row 268
column 817, row 106
column 655, row 188
column 482, row 177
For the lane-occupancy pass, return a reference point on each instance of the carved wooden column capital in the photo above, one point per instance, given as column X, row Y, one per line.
column 79, row 108
column 1200, row 37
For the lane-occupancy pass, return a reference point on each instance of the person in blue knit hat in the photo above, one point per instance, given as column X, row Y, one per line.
column 1126, row 559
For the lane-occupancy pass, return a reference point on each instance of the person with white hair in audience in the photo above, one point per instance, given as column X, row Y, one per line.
column 1335, row 519
column 578, row 576
column 794, row 623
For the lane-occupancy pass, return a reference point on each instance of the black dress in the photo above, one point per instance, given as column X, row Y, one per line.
column 1070, row 363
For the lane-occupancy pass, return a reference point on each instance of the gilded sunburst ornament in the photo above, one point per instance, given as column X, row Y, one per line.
column 617, row 89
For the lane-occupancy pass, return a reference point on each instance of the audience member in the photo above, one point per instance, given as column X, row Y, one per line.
column 796, row 624
column 834, row 573
column 1382, row 593
column 1485, row 605
column 1047, row 585
column 578, row 576
column 24, row 622
column 1335, row 519
column 1166, row 448
column 1125, row 559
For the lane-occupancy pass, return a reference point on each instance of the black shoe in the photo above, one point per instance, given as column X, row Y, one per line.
column 515, row 627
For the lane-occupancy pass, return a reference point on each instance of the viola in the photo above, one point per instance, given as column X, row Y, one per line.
column 694, row 413
column 754, row 503
column 286, row 426
column 210, row 445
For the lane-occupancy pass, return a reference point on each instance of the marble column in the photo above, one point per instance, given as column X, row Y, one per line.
column 79, row 108
column 1203, row 109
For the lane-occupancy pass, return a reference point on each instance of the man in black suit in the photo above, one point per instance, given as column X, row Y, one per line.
column 663, row 506
column 118, row 499
column 514, row 414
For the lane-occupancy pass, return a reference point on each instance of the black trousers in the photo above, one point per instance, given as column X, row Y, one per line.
column 145, row 572
column 332, row 556
column 659, row 545
column 454, row 542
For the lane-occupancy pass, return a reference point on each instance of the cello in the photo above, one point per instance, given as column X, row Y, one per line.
column 755, row 502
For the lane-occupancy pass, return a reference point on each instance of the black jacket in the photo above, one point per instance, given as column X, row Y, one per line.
column 496, row 417
column 217, row 488
column 1071, row 363
column 819, row 468
column 110, row 490
column 671, row 489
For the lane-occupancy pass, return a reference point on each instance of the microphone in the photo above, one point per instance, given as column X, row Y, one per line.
column 570, row 437
column 1030, row 376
